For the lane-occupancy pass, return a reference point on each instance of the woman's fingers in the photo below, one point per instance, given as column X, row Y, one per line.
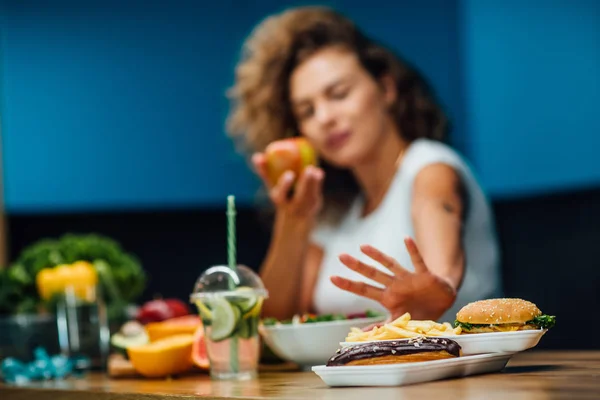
column 279, row 192
column 385, row 260
column 315, row 186
column 308, row 186
column 359, row 288
column 366, row 270
column 415, row 255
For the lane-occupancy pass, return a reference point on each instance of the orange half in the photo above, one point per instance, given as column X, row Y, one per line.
column 164, row 357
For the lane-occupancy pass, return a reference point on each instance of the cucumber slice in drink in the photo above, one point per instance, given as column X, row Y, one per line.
column 225, row 318
column 244, row 329
column 253, row 325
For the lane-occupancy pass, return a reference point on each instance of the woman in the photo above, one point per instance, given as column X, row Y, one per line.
column 386, row 184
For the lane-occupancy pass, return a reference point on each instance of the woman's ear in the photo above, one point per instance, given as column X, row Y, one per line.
column 388, row 85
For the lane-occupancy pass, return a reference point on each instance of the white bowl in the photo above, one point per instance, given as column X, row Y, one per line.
column 313, row 343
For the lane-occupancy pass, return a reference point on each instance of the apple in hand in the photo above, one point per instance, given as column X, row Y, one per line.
column 293, row 154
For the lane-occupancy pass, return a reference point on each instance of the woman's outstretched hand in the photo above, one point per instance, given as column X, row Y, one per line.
column 421, row 293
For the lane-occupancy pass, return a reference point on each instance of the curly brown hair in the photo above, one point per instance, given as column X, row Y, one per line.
column 261, row 111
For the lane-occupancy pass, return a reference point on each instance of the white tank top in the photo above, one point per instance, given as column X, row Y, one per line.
column 386, row 227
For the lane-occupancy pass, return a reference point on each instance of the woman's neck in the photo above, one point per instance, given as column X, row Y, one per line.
column 375, row 174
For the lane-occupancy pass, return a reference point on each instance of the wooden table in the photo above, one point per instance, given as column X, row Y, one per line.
column 533, row 375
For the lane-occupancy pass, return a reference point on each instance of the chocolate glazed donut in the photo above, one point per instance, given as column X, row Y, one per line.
column 397, row 351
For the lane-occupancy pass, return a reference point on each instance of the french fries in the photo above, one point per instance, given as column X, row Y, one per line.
column 403, row 328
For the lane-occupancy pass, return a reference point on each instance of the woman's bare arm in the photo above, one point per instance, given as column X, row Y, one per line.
column 438, row 206
column 282, row 271
column 312, row 264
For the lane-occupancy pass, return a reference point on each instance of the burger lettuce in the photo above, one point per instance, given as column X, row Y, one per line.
column 541, row 321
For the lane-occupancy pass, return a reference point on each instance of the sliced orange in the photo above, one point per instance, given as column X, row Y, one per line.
column 181, row 325
column 164, row 357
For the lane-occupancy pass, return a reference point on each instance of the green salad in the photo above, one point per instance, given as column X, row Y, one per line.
column 308, row 318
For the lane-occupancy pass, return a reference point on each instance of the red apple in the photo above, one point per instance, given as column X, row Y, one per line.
column 293, row 154
column 161, row 309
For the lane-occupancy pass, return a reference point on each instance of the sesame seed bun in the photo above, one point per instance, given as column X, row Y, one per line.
column 498, row 311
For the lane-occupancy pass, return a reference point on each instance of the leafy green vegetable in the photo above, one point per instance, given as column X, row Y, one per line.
column 325, row 318
column 465, row 325
column 373, row 314
column 121, row 275
column 311, row 318
column 542, row 321
column 269, row 321
column 10, row 292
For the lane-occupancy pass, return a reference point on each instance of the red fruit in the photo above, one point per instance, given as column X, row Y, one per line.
column 356, row 315
column 178, row 307
column 161, row 309
column 292, row 154
column 199, row 353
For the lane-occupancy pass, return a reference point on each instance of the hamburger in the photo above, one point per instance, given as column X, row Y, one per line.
column 397, row 351
column 502, row 315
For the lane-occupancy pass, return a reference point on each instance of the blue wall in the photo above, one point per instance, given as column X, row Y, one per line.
column 532, row 73
column 115, row 105
column 112, row 105
column 108, row 106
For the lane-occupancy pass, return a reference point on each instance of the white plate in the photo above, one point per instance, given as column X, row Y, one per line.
column 492, row 342
column 411, row 373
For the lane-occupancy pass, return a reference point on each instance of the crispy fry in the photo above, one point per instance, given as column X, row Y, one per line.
column 403, row 327
column 402, row 332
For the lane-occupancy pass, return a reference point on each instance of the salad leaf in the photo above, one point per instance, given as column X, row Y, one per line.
column 465, row 325
column 312, row 318
column 373, row 314
column 269, row 321
column 541, row 321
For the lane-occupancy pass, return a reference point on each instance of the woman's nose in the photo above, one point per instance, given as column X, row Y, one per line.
column 324, row 114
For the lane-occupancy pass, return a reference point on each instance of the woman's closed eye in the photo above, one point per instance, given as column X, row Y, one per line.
column 305, row 112
column 339, row 92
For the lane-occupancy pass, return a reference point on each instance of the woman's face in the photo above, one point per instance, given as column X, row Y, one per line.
column 340, row 108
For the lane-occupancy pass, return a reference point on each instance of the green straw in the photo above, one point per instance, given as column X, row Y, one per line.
column 231, row 258
column 231, row 253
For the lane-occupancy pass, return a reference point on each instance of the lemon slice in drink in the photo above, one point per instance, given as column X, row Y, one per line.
column 205, row 313
column 224, row 319
column 255, row 310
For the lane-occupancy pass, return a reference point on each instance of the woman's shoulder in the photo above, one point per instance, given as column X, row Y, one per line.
column 426, row 149
column 424, row 152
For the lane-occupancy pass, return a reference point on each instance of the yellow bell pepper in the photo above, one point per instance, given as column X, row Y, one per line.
column 47, row 283
column 81, row 277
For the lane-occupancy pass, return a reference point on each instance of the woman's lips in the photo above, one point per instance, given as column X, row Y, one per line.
column 335, row 140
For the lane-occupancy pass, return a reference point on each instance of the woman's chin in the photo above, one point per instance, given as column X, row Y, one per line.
column 344, row 159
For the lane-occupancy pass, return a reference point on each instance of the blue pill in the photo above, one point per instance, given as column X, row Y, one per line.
column 12, row 366
column 41, row 354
